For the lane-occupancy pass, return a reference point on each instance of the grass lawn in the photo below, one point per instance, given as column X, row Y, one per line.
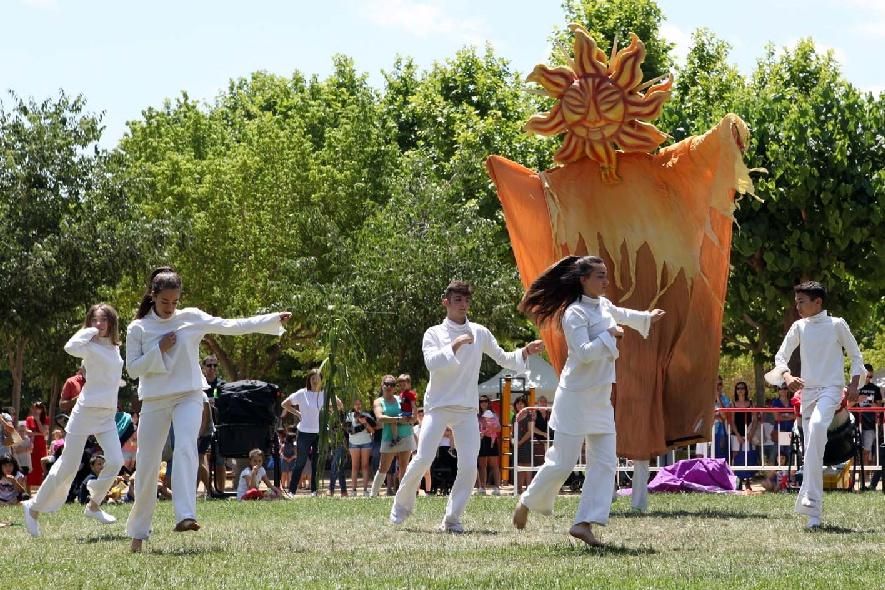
column 686, row 541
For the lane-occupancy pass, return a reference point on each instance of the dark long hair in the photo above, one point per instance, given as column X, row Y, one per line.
column 557, row 288
column 161, row 279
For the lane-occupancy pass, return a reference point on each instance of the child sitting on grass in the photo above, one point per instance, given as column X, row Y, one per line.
column 252, row 476
column 12, row 482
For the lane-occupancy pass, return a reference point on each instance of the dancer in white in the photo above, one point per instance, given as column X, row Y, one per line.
column 163, row 352
column 98, row 344
column 452, row 352
column 821, row 340
column 571, row 292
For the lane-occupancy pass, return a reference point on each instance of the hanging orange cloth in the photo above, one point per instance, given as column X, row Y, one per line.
column 664, row 230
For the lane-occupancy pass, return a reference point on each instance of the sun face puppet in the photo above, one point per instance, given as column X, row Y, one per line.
column 600, row 106
column 662, row 222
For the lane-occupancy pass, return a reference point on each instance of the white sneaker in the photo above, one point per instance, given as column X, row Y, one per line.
column 100, row 515
column 480, row 491
column 454, row 528
column 496, row 491
column 813, row 523
column 30, row 522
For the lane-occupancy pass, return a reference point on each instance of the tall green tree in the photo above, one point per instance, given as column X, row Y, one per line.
column 820, row 217
column 263, row 187
column 66, row 222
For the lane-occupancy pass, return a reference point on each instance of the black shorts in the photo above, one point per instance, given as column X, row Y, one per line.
column 488, row 447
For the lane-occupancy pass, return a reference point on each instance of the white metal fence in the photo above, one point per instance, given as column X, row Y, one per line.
column 763, row 440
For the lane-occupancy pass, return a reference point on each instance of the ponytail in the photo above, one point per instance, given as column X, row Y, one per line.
column 557, row 288
column 162, row 278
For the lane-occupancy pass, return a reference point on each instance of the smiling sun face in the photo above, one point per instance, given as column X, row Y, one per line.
column 600, row 106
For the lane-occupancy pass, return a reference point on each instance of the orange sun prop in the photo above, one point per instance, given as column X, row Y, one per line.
column 660, row 218
column 600, row 106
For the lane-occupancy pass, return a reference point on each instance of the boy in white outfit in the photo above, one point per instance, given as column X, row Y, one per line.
column 452, row 352
column 821, row 340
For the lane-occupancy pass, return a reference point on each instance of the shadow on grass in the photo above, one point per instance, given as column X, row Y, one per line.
column 186, row 551
column 102, row 538
column 726, row 514
column 839, row 530
column 605, row 549
column 466, row 533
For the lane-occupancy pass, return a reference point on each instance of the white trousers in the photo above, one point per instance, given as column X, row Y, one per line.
column 185, row 412
column 559, row 462
column 54, row 490
column 639, row 494
column 819, row 404
column 465, row 428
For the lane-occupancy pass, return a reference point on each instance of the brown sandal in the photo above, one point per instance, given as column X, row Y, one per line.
column 188, row 524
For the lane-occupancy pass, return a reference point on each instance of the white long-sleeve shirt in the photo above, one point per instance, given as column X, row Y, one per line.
column 104, row 366
column 162, row 374
column 582, row 404
column 822, row 340
column 454, row 376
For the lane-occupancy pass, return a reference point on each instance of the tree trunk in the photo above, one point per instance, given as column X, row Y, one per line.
column 16, row 356
column 54, row 394
column 761, row 385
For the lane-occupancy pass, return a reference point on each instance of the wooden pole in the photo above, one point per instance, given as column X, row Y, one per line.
column 505, row 430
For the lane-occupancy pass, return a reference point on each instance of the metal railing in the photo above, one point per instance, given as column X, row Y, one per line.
column 763, row 445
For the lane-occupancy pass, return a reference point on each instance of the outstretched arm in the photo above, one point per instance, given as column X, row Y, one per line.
column 268, row 323
column 640, row 321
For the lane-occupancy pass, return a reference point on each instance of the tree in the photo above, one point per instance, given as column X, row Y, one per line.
column 66, row 219
column 820, row 216
column 707, row 87
column 263, row 186
column 399, row 276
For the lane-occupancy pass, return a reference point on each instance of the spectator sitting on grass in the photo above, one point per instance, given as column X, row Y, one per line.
column 252, row 476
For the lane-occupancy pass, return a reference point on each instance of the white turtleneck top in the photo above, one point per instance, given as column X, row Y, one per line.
column 103, row 368
column 454, row 376
column 161, row 374
column 582, row 404
column 822, row 339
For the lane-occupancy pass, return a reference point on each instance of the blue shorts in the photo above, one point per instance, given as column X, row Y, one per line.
column 367, row 445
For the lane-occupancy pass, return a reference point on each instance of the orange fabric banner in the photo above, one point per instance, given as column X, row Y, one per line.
column 664, row 230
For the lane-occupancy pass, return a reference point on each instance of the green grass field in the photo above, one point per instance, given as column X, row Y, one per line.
column 686, row 541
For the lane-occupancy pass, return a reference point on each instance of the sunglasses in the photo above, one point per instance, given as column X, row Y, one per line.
column 389, row 384
column 483, row 401
column 210, row 366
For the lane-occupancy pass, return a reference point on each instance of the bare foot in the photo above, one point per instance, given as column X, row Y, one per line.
column 520, row 516
column 188, row 524
column 135, row 545
column 583, row 532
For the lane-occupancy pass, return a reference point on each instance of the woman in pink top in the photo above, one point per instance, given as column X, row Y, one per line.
column 489, row 447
